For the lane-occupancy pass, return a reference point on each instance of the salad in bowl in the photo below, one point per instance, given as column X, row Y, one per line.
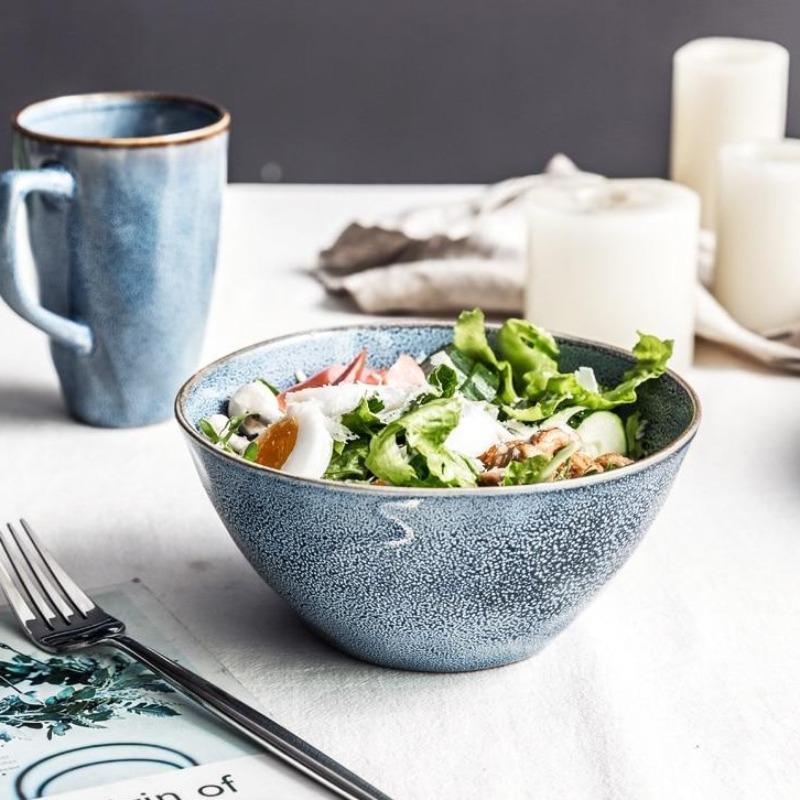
column 470, row 414
column 438, row 496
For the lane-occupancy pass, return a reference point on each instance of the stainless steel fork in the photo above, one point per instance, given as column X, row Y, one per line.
column 58, row 616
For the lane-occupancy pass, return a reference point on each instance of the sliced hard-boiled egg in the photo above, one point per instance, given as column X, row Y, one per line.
column 477, row 430
column 299, row 443
column 255, row 398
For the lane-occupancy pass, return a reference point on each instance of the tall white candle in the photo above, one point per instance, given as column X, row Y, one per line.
column 723, row 90
column 757, row 274
column 609, row 259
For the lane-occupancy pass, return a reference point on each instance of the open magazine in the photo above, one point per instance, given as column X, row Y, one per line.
column 97, row 725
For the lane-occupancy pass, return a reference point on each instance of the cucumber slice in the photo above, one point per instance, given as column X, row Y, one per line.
column 603, row 432
column 561, row 417
column 558, row 459
column 436, row 358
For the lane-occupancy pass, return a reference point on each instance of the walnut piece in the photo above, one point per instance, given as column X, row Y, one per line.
column 546, row 442
column 542, row 443
column 491, row 477
column 612, row 461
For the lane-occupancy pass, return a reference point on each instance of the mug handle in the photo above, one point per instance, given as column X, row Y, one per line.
column 15, row 186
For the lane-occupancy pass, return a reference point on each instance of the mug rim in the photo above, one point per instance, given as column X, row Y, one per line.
column 220, row 125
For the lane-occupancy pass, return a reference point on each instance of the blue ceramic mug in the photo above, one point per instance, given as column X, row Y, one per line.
column 123, row 194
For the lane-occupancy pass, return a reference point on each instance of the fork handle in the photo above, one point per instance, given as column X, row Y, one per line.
column 245, row 719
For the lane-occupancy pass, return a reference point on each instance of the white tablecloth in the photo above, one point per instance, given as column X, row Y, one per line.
column 682, row 680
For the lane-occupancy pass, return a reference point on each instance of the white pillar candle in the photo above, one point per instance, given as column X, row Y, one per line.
column 757, row 274
column 723, row 90
column 611, row 259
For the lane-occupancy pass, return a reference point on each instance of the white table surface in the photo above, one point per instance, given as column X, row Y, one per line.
column 682, row 680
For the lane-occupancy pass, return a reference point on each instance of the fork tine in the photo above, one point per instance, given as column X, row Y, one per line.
column 39, row 569
column 74, row 593
column 24, row 576
column 15, row 600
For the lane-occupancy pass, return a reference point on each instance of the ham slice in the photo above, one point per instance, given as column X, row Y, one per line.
column 374, row 377
column 404, row 372
column 330, row 376
column 322, row 378
column 352, row 370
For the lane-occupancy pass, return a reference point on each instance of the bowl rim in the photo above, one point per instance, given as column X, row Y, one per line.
column 410, row 491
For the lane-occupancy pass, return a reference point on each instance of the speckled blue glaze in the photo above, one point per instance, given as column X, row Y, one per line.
column 123, row 195
column 436, row 580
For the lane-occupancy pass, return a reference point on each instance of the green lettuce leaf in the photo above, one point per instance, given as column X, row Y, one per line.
column 634, row 433
column 519, row 341
column 363, row 419
column 481, row 384
column 347, row 461
column 652, row 355
column 469, row 339
column 475, row 380
column 443, row 381
column 250, row 452
column 532, row 353
column 521, row 473
column 508, row 392
column 410, row 451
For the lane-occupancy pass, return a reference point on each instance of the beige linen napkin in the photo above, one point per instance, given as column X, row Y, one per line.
column 471, row 253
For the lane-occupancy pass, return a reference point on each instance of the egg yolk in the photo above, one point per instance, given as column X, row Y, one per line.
column 276, row 443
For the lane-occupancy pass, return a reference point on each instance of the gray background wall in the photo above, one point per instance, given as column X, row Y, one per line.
column 375, row 91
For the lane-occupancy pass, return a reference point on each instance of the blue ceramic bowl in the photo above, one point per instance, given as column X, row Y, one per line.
column 442, row 580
